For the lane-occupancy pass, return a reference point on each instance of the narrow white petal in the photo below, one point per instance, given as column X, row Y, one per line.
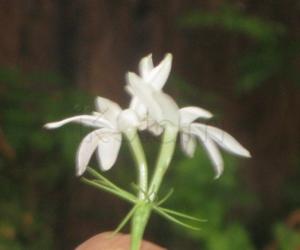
column 109, row 109
column 87, row 120
column 86, row 149
column 224, row 139
column 212, row 150
column 145, row 66
column 190, row 114
column 160, row 73
column 188, row 144
column 108, row 148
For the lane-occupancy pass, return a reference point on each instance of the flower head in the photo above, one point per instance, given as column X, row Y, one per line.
column 154, row 108
column 147, row 95
column 109, row 121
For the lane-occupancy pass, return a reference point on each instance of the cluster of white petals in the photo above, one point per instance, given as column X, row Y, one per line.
column 150, row 109
column 147, row 95
column 109, row 121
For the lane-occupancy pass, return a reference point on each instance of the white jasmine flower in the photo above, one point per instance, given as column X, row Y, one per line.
column 148, row 86
column 109, row 122
column 161, row 108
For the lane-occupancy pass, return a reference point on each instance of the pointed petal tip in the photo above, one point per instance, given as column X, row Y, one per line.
column 127, row 76
column 46, row 126
column 244, row 153
column 248, row 154
column 218, row 172
column 169, row 56
column 79, row 171
column 105, row 164
column 146, row 57
column 51, row 125
column 78, row 174
column 168, row 59
column 149, row 56
column 106, row 168
column 209, row 115
column 130, row 73
column 217, row 176
column 130, row 77
column 80, row 168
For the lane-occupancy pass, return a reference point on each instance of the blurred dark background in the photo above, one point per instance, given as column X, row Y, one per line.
column 238, row 59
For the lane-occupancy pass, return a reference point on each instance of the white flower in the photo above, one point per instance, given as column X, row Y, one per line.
column 209, row 136
column 162, row 109
column 109, row 122
column 147, row 95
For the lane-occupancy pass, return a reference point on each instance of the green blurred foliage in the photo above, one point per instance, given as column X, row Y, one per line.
column 27, row 175
column 234, row 20
column 199, row 194
column 271, row 54
column 287, row 238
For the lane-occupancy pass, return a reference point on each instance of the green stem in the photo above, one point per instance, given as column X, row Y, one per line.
column 142, row 213
column 139, row 222
column 165, row 156
column 140, row 160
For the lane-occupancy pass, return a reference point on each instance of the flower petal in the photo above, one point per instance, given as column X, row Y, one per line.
column 212, row 150
column 109, row 109
column 162, row 108
column 143, row 92
column 138, row 107
column 188, row 144
column 87, row 120
column 108, row 148
column 224, row 139
column 190, row 114
column 127, row 120
column 160, row 73
column 145, row 66
column 168, row 108
column 86, row 149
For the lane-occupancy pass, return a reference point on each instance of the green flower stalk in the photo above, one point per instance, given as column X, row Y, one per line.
column 143, row 211
column 150, row 110
column 140, row 161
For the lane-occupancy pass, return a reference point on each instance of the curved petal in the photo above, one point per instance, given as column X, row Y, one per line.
column 145, row 66
column 160, row 73
column 86, row 149
column 109, row 109
column 212, row 150
column 224, row 140
column 190, row 114
column 87, row 120
column 108, row 148
column 188, row 144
